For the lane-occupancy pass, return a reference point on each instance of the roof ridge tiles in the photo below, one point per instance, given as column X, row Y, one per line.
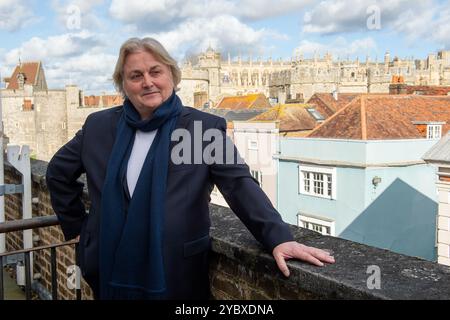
column 363, row 118
column 333, row 116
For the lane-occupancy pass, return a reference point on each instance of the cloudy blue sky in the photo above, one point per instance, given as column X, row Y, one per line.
column 78, row 40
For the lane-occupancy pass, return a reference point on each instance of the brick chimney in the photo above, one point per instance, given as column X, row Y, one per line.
column 398, row 85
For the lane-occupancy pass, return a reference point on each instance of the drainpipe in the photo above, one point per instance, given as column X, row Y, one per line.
column 19, row 158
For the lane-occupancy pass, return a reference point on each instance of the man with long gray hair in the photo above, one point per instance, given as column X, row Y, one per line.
column 147, row 232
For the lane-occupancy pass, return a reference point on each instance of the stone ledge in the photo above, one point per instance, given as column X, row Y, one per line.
column 253, row 273
column 402, row 277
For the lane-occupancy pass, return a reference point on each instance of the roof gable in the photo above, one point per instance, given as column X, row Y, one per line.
column 440, row 152
column 335, row 105
column 31, row 71
column 378, row 117
column 292, row 117
column 258, row 101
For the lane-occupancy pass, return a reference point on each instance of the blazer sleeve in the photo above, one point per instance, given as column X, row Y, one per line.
column 65, row 191
column 245, row 197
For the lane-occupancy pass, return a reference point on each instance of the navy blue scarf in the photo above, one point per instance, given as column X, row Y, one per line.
column 131, row 257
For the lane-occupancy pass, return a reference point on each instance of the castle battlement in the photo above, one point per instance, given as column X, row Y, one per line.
column 213, row 76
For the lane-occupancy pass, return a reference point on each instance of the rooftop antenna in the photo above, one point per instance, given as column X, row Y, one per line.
column 20, row 61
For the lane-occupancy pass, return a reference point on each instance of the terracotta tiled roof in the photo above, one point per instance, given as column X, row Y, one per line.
column 372, row 117
column 31, row 71
column 296, row 134
column 327, row 105
column 429, row 90
column 292, row 117
column 251, row 101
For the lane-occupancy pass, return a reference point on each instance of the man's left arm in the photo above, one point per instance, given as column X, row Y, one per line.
column 249, row 202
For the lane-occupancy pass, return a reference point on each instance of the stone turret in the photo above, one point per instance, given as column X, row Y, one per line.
column 210, row 61
column 387, row 59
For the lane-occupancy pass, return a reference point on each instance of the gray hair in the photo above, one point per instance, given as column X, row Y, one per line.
column 152, row 46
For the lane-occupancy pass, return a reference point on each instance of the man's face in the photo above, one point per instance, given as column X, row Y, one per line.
column 146, row 82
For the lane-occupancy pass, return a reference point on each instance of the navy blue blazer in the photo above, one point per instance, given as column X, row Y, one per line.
column 187, row 221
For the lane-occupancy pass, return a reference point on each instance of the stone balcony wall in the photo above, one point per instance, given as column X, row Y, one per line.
column 241, row 269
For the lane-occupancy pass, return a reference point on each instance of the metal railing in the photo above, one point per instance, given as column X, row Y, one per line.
column 34, row 223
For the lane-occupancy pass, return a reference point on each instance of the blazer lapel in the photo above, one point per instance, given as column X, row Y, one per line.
column 183, row 120
column 114, row 121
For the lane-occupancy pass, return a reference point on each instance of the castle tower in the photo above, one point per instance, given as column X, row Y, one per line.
column 210, row 61
column 387, row 61
column 28, row 74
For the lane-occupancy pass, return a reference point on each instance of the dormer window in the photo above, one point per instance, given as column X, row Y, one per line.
column 315, row 114
column 434, row 131
column 21, row 80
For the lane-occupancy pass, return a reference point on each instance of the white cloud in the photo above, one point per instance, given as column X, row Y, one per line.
column 60, row 46
column 340, row 47
column 90, row 71
column 441, row 28
column 162, row 14
column 14, row 15
column 186, row 27
column 432, row 23
column 335, row 16
column 261, row 9
column 425, row 19
column 225, row 33
column 72, row 58
column 81, row 11
column 135, row 11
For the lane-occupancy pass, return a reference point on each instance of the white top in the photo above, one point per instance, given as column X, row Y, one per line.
column 142, row 143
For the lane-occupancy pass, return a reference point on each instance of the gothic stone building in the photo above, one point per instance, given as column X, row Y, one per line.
column 210, row 78
column 42, row 118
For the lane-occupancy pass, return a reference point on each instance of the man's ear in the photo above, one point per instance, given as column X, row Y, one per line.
column 124, row 93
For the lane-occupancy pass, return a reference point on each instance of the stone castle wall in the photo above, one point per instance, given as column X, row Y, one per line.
column 304, row 77
column 54, row 119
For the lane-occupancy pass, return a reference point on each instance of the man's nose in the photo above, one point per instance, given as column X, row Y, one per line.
column 147, row 81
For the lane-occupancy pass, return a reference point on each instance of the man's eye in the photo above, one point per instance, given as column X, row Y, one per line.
column 136, row 77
